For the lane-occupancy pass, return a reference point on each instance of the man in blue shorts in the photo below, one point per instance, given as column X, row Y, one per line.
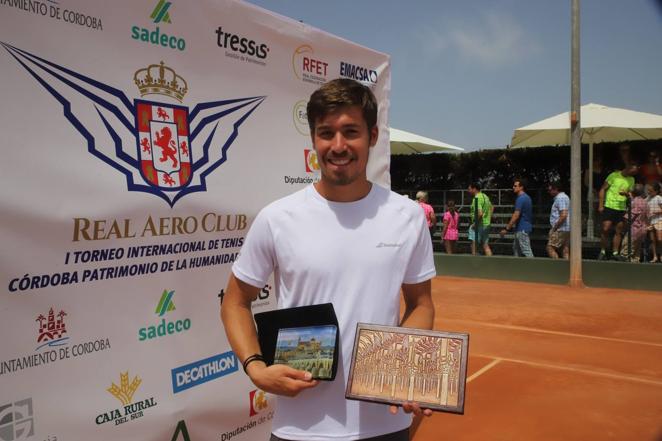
column 521, row 220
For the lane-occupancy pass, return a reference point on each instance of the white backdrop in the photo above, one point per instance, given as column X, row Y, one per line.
column 139, row 141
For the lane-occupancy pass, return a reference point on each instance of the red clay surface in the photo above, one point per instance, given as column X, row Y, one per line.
column 549, row 362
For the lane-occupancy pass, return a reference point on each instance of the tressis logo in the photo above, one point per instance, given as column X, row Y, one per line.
column 161, row 148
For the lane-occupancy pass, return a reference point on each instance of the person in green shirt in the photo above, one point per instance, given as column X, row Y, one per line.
column 612, row 205
column 480, row 236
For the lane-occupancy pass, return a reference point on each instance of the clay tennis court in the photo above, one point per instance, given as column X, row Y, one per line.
column 548, row 362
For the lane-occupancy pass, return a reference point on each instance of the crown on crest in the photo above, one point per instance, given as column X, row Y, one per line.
column 162, row 80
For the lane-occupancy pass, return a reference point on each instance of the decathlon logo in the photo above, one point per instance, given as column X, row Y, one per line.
column 159, row 148
column 202, row 371
column 164, row 327
column 16, row 420
column 160, row 12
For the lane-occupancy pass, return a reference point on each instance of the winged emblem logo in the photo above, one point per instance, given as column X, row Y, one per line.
column 176, row 150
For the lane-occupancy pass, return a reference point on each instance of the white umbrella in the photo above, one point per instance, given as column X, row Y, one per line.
column 406, row 143
column 598, row 124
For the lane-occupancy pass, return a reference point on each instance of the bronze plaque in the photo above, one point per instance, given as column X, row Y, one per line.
column 394, row 365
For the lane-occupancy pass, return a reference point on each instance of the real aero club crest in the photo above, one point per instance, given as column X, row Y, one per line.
column 160, row 147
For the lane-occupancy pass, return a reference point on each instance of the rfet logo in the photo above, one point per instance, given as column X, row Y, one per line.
column 156, row 152
column 310, row 157
column 258, row 401
column 309, row 67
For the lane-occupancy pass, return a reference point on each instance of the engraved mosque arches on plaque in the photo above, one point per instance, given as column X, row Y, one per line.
column 393, row 365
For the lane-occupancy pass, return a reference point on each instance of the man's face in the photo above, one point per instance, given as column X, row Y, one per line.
column 517, row 187
column 472, row 191
column 342, row 142
column 630, row 170
column 552, row 191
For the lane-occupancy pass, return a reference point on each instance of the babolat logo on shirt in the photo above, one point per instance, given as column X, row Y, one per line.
column 202, row 371
column 164, row 327
column 358, row 73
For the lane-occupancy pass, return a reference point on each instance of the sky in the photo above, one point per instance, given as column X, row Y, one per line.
column 469, row 72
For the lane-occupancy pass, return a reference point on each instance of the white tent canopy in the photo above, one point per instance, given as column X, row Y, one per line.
column 406, row 143
column 598, row 124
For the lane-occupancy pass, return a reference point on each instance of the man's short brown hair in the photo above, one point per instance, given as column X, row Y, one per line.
column 339, row 93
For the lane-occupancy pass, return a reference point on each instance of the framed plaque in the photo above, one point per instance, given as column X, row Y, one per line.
column 303, row 337
column 393, row 365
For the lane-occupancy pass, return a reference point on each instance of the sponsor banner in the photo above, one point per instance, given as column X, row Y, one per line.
column 141, row 142
column 202, row 371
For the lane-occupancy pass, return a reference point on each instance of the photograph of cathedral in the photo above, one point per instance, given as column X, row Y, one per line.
column 393, row 365
column 309, row 348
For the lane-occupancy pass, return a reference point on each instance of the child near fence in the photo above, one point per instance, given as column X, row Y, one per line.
column 450, row 233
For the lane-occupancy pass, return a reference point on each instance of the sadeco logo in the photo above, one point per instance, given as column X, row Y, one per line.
column 202, row 371
column 164, row 328
column 160, row 14
column 153, row 138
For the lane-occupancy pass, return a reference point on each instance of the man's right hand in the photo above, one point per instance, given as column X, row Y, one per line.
column 280, row 379
column 601, row 209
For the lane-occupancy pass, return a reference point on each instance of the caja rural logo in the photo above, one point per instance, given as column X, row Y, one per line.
column 153, row 144
column 130, row 409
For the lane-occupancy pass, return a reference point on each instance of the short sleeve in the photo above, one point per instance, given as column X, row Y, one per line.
column 421, row 262
column 519, row 204
column 256, row 259
column 610, row 178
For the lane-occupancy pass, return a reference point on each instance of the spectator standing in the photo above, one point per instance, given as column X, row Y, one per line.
column 450, row 233
column 654, row 212
column 481, row 219
column 430, row 218
column 612, row 204
column 639, row 226
column 521, row 221
column 559, row 221
column 651, row 171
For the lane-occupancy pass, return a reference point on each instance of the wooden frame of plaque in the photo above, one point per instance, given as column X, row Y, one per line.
column 393, row 365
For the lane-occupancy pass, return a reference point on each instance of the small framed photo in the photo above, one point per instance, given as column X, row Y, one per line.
column 310, row 348
column 393, row 365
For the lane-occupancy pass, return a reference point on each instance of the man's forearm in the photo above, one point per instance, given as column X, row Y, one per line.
column 419, row 308
column 237, row 318
column 420, row 317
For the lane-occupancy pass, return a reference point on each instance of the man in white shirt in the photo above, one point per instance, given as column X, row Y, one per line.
column 342, row 240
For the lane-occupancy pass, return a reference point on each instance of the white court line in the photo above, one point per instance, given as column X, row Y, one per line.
column 484, row 369
column 567, row 368
column 565, row 334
